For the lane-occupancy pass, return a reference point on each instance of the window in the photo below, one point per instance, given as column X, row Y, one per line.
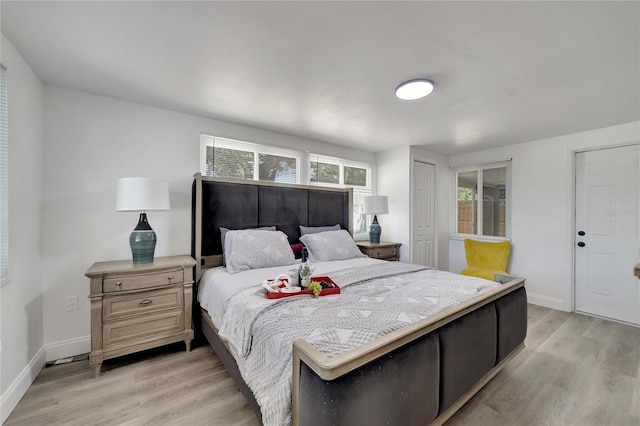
column 355, row 176
column 4, row 177
column 337, row 171
column 232, row 159
column 331, row 171
column 324, row 172
column 482, row 200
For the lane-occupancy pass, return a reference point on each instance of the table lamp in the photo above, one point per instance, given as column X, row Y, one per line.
column 142, row 194
column 375, row 205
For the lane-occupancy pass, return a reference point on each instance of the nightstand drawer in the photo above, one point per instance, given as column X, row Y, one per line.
column 142, row 328
column 137, row 282
column 125, row 305
column 383, row 252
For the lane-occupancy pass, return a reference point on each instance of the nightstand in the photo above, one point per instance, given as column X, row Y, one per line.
column 138, row 307
column 383, row 250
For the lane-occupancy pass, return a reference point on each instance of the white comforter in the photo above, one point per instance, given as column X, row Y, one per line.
column 217, row 285
column 259, row 331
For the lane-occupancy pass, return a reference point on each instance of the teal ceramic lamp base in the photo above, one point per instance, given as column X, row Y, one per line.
column 142, row 241
column 374, row 231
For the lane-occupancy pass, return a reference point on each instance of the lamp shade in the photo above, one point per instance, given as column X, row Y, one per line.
column 376, row 204
column 140, row 194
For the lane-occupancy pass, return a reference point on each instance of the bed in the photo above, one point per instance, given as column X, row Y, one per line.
column 419, row 369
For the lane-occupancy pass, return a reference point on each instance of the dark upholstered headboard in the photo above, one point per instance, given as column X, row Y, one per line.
column 250, row 204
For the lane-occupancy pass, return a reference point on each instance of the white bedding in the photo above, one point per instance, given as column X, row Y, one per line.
column 259, row 331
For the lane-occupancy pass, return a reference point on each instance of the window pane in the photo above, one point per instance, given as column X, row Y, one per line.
column 355, row 176
column 494, row 184
column 324, row 173
column 232, row 163
column 467, row 195
column 277, row 168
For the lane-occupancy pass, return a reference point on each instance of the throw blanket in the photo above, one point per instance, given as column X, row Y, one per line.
column 374, row 301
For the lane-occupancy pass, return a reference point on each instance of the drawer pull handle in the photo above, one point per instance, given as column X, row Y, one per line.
column 170, row 278
column 145, row 302
column 119, row 284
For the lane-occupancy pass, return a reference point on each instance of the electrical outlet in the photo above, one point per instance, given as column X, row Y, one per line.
column 72, row 303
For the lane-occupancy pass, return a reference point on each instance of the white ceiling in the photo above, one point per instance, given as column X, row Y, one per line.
column 505, row 72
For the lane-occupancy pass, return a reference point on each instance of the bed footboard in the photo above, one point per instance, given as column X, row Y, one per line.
column 385, row 383
column 417, row 375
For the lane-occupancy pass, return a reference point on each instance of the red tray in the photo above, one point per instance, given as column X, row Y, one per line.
column 324, row 292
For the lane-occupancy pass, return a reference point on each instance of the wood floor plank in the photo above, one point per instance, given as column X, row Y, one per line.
column 574, row 370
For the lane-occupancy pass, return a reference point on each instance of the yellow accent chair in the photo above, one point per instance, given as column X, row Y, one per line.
column 486, row 259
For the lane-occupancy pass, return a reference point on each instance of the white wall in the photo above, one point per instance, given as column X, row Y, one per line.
column 90, row 142
column 394, row 173
column 543, row 208
column 393, row 179
column 22, row 354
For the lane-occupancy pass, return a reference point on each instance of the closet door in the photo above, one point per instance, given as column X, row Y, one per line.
column 423, row 224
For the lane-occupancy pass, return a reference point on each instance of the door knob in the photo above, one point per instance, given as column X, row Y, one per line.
column 581, row 233
column 581, row 244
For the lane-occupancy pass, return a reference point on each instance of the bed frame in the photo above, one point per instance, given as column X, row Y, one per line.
column 419, row 374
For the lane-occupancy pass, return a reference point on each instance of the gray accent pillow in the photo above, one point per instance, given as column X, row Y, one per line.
column 306, row 230
column 331, row 245
column 254, row 248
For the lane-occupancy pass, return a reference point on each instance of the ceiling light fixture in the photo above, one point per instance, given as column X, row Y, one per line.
column 414, row 89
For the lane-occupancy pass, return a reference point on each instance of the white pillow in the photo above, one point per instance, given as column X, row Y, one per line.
column 331, row 245
column 253, row 249
column 223, row 232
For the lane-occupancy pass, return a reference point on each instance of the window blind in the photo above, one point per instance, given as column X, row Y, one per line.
column 4, row 177
column 233, row 159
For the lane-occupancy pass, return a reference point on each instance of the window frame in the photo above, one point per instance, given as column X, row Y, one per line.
column 480, row 168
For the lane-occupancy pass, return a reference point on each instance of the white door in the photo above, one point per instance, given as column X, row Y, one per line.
column 423, row 226
column 606, row 234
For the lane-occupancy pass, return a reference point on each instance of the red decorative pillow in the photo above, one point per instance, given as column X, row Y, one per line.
column 297, row 250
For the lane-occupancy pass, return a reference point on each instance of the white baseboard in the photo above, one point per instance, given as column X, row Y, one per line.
column 10, row 398
column 67, row 348
column 547, row 302
column 20, row 385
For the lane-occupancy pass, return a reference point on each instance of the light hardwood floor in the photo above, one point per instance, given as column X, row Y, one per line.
column 575, row 370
